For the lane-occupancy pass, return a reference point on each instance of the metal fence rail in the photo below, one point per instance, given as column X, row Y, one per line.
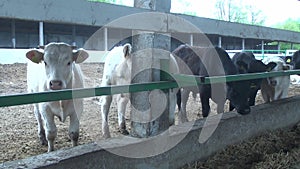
column 180, row 81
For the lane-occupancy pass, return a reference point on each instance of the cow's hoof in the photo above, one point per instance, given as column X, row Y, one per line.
column 124, row 131
column 106, row 136
column 43, row 140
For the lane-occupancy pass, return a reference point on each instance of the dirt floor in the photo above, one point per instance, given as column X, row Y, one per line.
column 18, row 128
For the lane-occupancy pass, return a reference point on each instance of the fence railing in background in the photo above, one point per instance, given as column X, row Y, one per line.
column 173, row 82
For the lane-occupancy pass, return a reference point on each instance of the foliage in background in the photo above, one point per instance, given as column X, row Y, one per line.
column 233, row 11
column 292, row 25
column 239, row 11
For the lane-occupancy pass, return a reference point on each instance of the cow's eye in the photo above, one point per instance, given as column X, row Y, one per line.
column 45, row 63
column 69, row 63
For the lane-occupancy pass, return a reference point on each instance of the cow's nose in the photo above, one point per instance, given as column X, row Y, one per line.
column 55, row 84
column 244, row 111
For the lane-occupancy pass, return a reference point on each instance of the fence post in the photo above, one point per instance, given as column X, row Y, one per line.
column 150, row 109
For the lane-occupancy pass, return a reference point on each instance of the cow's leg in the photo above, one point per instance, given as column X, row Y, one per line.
column 122, row 103
column 252, row 96
column 178, row 94
column 51, row 130
column 205, row 104
column 172, row 105
column 105, row 102
column 231, row 106
column 266, row 90
column 220, row 107
column 184, row 98
column 41, row 130
column 74, row 129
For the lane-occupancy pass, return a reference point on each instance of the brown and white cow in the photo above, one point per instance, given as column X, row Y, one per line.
column 275, row 88
column 54, row 68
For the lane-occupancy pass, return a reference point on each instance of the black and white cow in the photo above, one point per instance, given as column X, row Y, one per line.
column 245, row 62
column 275, row 88
column 213, row 61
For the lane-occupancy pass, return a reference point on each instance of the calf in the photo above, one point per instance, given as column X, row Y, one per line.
column 54, row 68
column 245, row 62
column 274, row 88
column 117, row 71
column 210, row 62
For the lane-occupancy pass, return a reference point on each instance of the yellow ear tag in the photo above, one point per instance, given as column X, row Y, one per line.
column 288, row 61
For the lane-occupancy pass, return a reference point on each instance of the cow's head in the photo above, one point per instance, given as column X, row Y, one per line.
column 238, row 92
column 255, row 66
column 280, row 66
column 59, row 59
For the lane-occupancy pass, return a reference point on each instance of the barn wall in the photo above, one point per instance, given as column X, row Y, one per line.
column 83, row 12
column 232, row 128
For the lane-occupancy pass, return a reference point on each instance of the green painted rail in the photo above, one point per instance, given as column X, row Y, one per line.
column 180, row 81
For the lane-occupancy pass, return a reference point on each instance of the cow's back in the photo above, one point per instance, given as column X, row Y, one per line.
column 113, row 59
column 217, row 62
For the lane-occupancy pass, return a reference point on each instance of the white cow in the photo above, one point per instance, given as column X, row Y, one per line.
column 117, row 71
column 51, row 69
column 274, row 88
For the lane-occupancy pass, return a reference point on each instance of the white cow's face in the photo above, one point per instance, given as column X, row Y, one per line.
column 58, row 59
column 280, row 66
column 58, row 62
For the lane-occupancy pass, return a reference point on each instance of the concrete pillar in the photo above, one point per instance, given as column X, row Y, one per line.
column 150, row 109
column 105, row 39
column 262, row 48
column 243, row 44
column 220, row 41
column 41, row 33
column 13, row 33
column 191, row 39
column 278, row 48
column 73, row 35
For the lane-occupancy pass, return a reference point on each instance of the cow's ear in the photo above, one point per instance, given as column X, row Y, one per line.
column 271, row 66
column 35, row 56
column 127, row 50
column 80, row 55
column 242, row 66
column 288, row 60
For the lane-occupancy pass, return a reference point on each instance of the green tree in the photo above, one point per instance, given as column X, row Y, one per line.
column 233, row 11
column 292, row 25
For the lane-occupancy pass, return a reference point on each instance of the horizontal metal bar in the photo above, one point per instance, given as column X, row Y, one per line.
column 186, row 80
column 249, row 76
column 174, row 81
column 29, row 98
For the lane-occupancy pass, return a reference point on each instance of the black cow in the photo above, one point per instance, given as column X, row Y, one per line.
column 245, row 62
column 206, row 62
column 296, row 60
